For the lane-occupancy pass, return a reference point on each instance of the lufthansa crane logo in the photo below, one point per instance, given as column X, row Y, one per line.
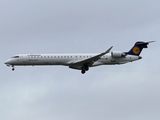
column 136, row 50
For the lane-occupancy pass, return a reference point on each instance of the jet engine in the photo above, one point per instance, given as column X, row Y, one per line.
column 116, row 54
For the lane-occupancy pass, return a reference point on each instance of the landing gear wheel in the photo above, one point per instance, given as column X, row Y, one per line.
column 86, row 68
column 13, row 68
column 83, row 71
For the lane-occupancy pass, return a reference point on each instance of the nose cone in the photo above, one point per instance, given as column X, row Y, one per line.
column 8, row 62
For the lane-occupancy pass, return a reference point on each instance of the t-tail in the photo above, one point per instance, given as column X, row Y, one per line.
column 138, row 47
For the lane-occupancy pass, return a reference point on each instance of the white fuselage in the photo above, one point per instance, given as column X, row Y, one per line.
column 66, row 59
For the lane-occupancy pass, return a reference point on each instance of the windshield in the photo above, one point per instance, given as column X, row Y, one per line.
column 15, row 57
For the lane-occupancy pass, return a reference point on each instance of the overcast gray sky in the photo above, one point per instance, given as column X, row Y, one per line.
column 125, row 92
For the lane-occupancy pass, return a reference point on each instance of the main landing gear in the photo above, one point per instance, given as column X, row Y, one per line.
column 84, row 69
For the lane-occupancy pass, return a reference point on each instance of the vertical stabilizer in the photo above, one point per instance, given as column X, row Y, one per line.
column 138, row 47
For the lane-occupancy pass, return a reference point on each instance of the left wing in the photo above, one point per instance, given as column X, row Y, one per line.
column 89, row 61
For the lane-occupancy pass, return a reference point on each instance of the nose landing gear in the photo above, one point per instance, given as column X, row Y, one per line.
column 13, row 68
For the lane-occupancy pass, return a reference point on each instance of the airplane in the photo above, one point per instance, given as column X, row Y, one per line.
column 79, row 61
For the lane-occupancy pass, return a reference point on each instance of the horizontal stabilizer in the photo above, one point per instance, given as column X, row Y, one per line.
column 143, row 44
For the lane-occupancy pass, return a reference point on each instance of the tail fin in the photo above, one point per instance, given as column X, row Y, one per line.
column 138, row 47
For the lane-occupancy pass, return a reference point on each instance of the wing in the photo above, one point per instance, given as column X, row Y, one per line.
column 89, row 61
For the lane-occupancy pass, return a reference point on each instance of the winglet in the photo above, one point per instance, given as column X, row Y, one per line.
column 106, row 51
column 109, row 49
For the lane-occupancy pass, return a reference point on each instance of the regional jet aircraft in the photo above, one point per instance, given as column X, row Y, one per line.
column 79, row 61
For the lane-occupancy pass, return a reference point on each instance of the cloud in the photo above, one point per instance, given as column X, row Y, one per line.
column 127, row 91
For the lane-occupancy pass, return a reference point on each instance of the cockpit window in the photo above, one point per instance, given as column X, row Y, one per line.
column 15, row 57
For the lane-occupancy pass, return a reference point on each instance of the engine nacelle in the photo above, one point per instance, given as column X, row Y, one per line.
column 116, row 54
